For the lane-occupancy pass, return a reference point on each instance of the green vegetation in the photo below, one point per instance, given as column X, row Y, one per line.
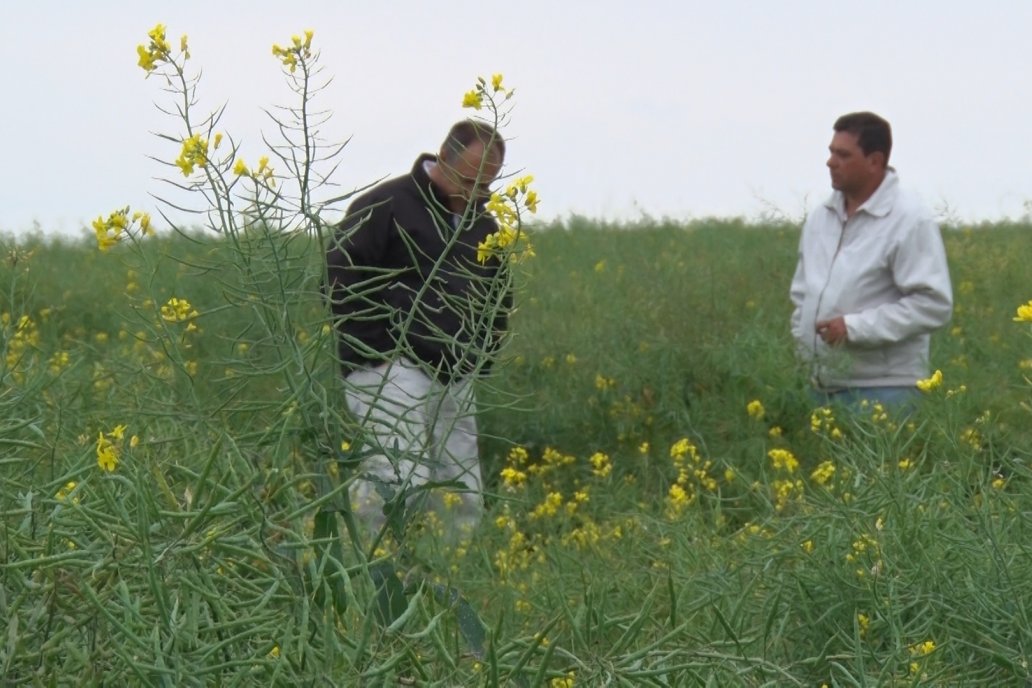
column 648, row 524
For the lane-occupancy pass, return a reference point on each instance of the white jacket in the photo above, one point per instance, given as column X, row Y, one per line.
column 884, row 269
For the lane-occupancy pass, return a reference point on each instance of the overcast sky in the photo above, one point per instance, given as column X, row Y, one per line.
column 682, row 109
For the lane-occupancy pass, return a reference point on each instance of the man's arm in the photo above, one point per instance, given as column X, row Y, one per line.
column 797, row 292
column 922, row 276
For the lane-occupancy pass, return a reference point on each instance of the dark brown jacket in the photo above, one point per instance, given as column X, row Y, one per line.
column 405, row 281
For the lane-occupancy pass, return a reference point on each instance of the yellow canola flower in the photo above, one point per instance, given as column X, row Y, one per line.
column 549, row 507
column 178, row 310
column 931, row 383
column 601, row 466
column 118, row 224
column 823, row 473
column 1024, row 313
column 923, row 649
column 66, row 491
column 496, row 82
column 145, row 222
column 193, row 154
column 299, row 51
column 147, row 61
column 755, row 409
column 683, row 448
column 107, row 453
column 472, row 99
column 513, row 478
column 240, row 168
column 158, row 50
column 782, row 459
column 109, row 231
column 531, row 201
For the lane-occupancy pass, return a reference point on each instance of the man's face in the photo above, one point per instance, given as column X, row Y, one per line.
column 850, row 169
column 470, row 173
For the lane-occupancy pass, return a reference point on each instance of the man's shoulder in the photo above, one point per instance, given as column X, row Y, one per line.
column 383, row 192
column 902, row 203
column 909, row 213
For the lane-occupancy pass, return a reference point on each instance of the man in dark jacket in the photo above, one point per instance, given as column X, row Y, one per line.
column 417, row 317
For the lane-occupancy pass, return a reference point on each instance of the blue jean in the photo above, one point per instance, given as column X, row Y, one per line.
column 901, row 399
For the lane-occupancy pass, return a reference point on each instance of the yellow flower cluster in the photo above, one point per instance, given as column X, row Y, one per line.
column 193, row 154
column 158, row 50
column 66, row 491
column 519, row 554
column 863, row 622
column 823, row 473
column 783, row 460
column 264, row 171
column 549, row 507
column 474, row 98
column 677, row 501
column 879, row 414
column 601, row 466
column 930, row 383
column 179, row 310
column 108, row 452
column 513, row 478
column 564, row 682
column 755, row 409
column 683, row 448
column 865, row 549
column 822, row 421
column 919, row 651
column 507, row 208
column 692, row 474
column 118, row 225
column 20, row 343
column 785, row 491
column 298, row 51
column 58, row 362
column 1024, row 313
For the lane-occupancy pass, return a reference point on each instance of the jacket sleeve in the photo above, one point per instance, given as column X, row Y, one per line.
column 797, row 292
column 355, row 273
column 922, row 277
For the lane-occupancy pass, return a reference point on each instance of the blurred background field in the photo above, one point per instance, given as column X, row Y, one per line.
column 667, row 507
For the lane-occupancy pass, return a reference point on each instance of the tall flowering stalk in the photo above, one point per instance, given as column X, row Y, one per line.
column 120, row 225
column 509, row 207
column 207, row 161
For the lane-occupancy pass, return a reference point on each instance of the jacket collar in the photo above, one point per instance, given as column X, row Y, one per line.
column 879, row 204
column 423, row 182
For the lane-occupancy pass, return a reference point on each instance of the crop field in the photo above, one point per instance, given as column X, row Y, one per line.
column 666, row 504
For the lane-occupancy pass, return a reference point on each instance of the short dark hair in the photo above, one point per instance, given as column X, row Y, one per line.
column 873, row 133
column 463, row 134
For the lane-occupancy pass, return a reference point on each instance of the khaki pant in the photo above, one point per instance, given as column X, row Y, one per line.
column 418, row 430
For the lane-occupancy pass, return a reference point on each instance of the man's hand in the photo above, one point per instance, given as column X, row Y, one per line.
column 833, row 331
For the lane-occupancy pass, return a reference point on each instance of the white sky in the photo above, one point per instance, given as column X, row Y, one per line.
column 683, row 109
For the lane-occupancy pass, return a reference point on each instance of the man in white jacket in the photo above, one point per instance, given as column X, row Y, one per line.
column 872, row 281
